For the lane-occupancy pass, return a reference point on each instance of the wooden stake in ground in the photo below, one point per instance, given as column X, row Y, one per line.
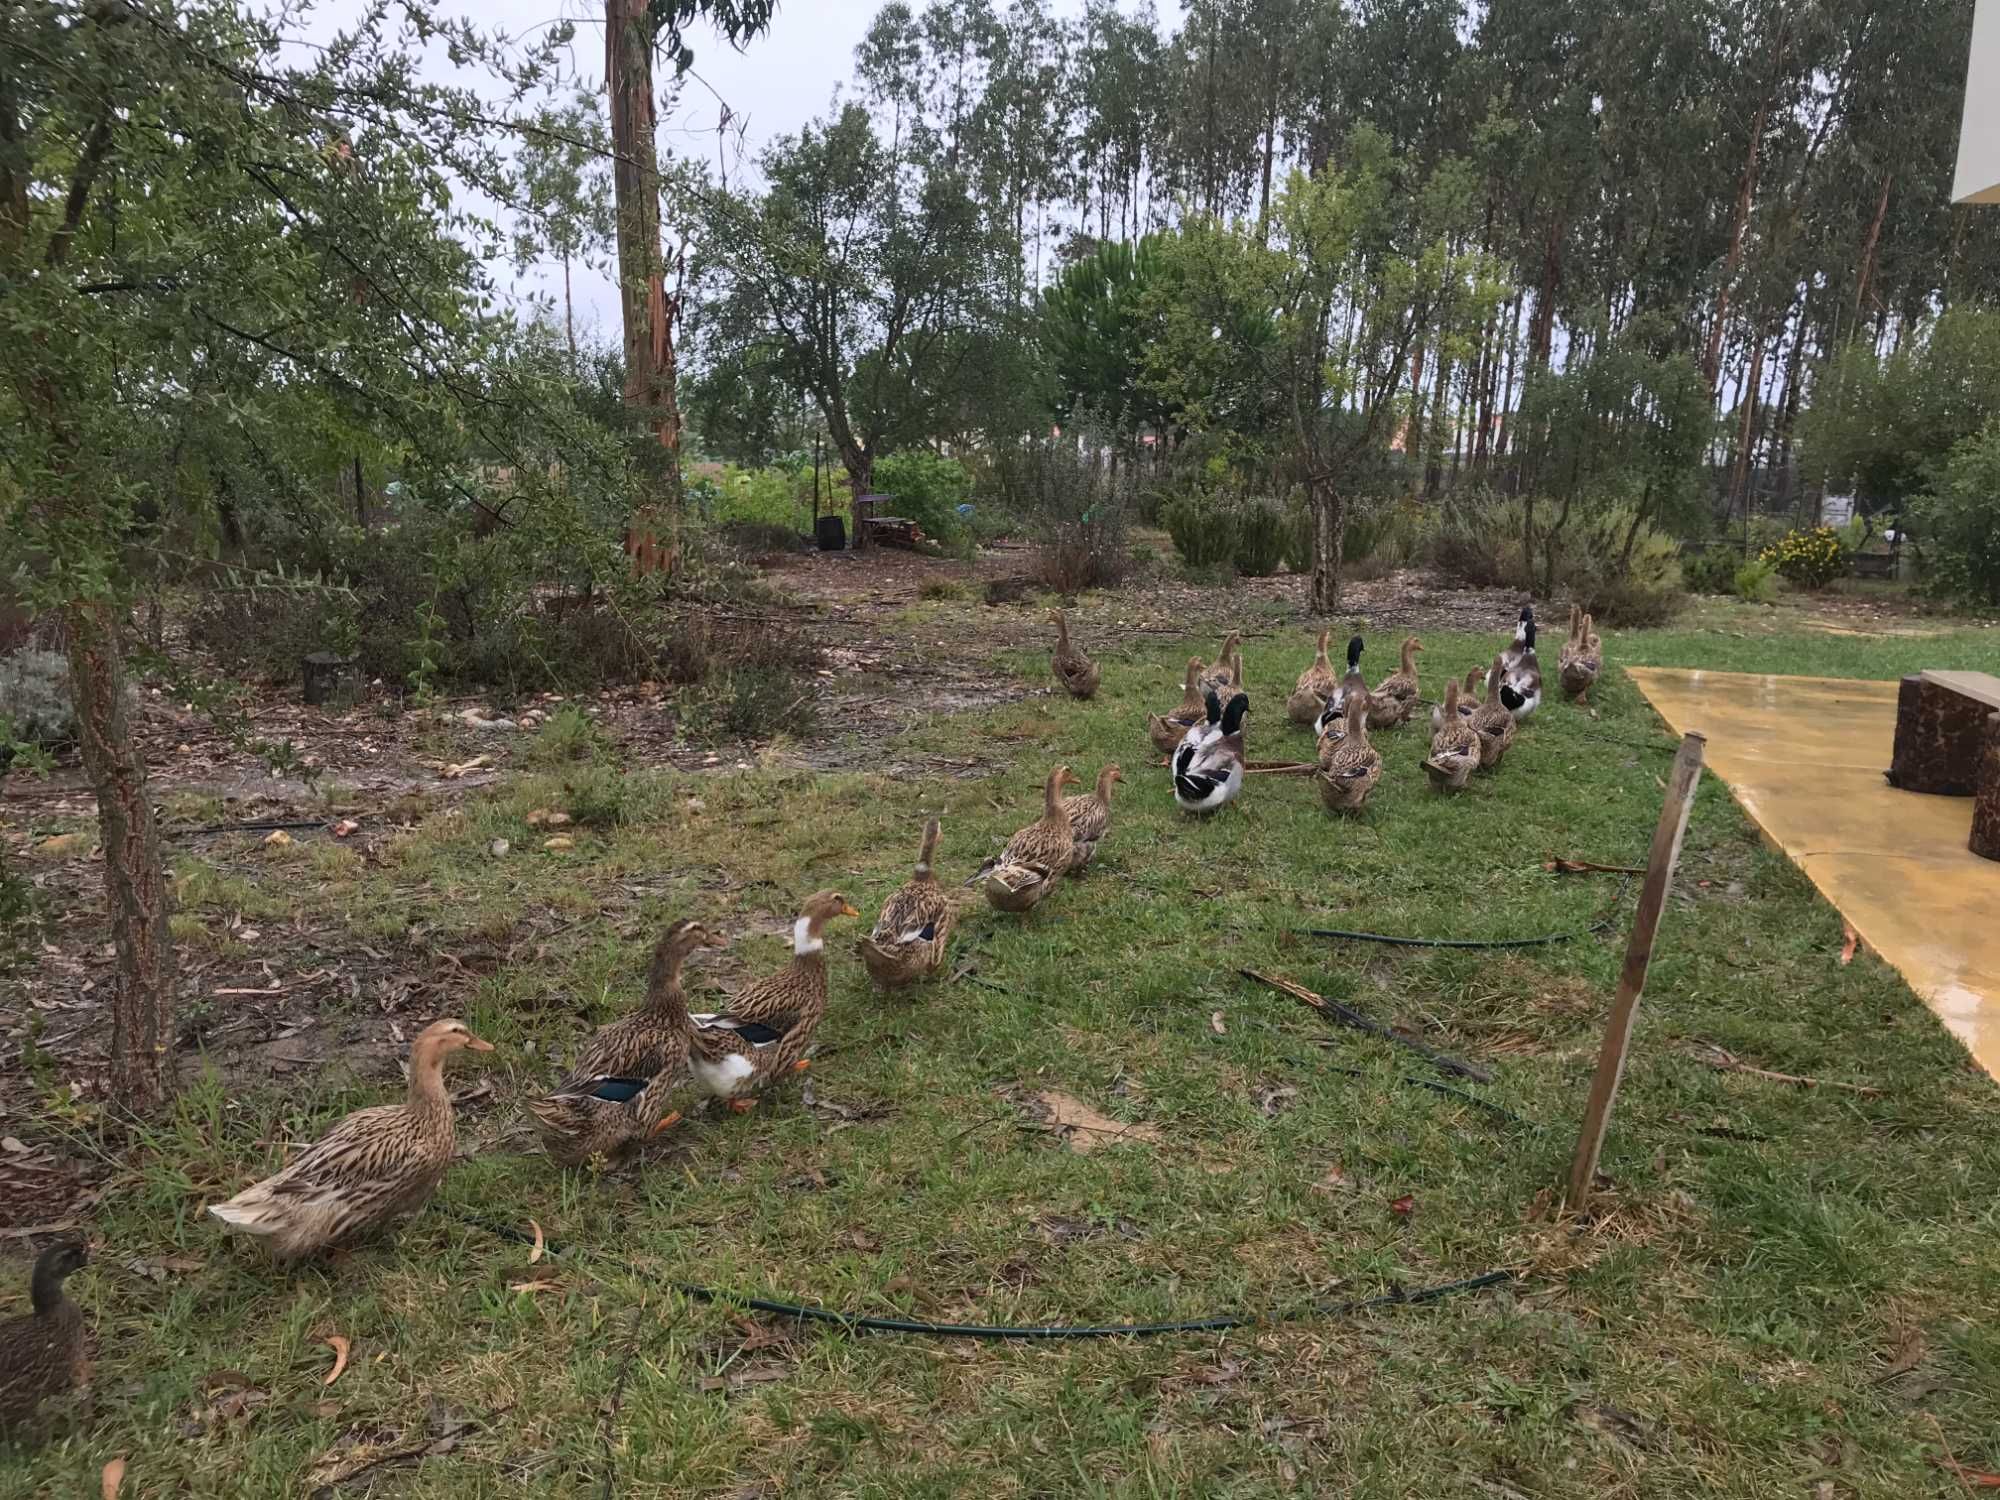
column 1660, row 862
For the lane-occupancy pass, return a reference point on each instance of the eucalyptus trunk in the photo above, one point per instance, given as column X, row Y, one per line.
column 135, row 888
column 1329, row 514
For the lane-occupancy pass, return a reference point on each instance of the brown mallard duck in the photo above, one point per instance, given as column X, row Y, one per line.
column 1036, row 857
column 1074, row 670
column 1493, row 723
column 1454, row 745
column 1225, row 678
column 374, row 1167
column 770, row 1021
column 1468, row 698
column 913, row 927
column 1581, row 658
column 1316, row 684
column 1391, row 700
column 1349, row 771
column 42, row 1352
column 614, row 1093
column 1089, row 816
column 1166, row 731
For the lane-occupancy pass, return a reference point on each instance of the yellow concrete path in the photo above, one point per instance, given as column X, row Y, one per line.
column 1805, row 756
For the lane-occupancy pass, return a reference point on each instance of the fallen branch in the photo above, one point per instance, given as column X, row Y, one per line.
column 1442, row 1061
column 1278, row 767
column 1724, row 1060
column 1585, row 867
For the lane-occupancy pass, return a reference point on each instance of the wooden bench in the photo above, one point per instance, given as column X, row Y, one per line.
column 1941, row 731
column 1874, row 565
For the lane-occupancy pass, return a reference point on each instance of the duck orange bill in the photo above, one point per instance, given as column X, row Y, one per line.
column 668, row 1123
column 477, row 1044
column 848, row 911
column 802, row 1064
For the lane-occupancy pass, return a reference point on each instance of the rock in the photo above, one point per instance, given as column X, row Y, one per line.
column 560, row 842
column 498, row 847
column 277, row 839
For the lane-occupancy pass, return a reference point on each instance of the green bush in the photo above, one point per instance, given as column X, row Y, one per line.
column 1615, row 565
column 566, row 735
column 1262, row 527
column 1755, row 581
column 747, row 702
column 928, row 490
column 1810, row 557
column 1204, row 528
column 1959, row 522
column 1712, row 570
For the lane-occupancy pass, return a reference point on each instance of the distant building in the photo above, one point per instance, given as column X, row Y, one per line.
column 1978, row 179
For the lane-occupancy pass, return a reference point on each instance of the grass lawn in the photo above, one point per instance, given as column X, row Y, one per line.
column 1787, row 1292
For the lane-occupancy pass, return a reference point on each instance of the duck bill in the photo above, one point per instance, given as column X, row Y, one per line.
column 848, row 911
column 478, row 1044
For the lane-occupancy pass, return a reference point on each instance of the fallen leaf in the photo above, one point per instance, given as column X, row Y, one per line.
column 1850, row 940
column 534, row 1286
column 338, row 1344
column 277, row 839
column 1084, row 1129
column 559, row 843
column 1910, row 1352
column 541, row 1244
column 114, row 1476
column 344, row 827
column 557, row 820
column 1216, row 1025
column 65, row 843
column 1404, row 1206
column 1335, row 1180
column 759, row 1372
column 326, row 1411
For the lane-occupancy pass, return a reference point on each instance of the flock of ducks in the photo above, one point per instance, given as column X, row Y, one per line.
column 381, row 1164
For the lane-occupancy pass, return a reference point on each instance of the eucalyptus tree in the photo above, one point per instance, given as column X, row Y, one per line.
column 564, row 195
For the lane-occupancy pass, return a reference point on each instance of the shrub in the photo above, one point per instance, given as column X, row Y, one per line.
column 1262, row 524
column 929, row 491
column 1614, row 564
column 1960, row 522
column 1203, row 527
column 35, row 706
column 1810, row 558
column 1711, row 570
column 594, row 797
column 941, row 588
column 747, row 702
column 1755, row 581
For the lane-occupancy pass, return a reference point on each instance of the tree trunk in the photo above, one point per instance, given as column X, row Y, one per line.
column 1868, row 247
column 142, row 1001
column 1746, row 187
column 569, row 316
column 1329, row 514
column 635, row 181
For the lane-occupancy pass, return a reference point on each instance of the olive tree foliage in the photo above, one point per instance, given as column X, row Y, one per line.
column 221, row 255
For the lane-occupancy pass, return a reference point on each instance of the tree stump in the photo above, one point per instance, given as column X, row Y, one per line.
column 1939, row 732
column 327, row 678
column 1985, row 840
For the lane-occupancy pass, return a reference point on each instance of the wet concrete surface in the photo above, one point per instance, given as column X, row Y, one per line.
column 1804, row 756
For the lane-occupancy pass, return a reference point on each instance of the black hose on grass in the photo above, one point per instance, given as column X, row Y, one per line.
column 867, row 1323
column 1600, row 925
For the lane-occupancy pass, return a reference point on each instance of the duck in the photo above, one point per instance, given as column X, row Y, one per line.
column 1468, row 698
column 1333, row 726
column 1493, row 723
column 1316, row 683
column 374, row 1167
column 1208, row 767
column 1089, row 816
column 764, row 1032
column 1226, row 676
column 1524, row 639
column 1166, row 731
column 914, row 926
column 1074, row 670
column 1333, row 718
column 1454, row 744
column 612, row 1095
column 1521, row 683
column 1036, row 857
column 1581, row 657
column 42, row 1352
column 1391, row 701
column 1349, row 772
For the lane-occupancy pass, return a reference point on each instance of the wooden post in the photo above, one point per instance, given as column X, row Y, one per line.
column 1660, row 862
column 1985, row 840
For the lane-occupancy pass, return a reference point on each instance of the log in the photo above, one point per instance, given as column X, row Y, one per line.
column 1985, row 840
column 327, row 679
column 1939, row 730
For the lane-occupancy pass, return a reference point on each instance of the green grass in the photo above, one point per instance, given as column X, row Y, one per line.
column 1763, row 1256
column 1730, row 636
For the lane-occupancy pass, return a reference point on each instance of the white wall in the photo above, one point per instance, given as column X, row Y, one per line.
column 1978, row 179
